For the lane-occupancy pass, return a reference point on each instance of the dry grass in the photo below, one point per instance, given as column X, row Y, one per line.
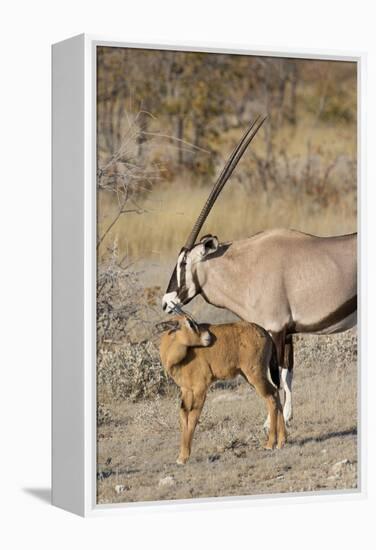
column 163, row 230
column 138, row 442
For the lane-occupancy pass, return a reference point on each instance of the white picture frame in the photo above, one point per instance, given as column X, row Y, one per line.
column 74, row 278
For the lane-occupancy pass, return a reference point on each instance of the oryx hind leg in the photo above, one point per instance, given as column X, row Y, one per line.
column 286, row 379
column 279, row 339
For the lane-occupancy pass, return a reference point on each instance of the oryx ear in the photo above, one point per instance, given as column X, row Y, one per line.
column 209, row 245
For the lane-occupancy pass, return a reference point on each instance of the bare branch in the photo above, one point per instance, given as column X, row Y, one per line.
column 173, row 138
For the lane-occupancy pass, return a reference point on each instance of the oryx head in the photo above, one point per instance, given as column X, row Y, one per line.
column 183, row 285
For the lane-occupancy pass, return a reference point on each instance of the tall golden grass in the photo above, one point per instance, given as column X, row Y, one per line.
column 161, row 230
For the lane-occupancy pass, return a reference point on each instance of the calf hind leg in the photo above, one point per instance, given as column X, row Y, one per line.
column 276, row 431
column 271, row 404
column 281, row 425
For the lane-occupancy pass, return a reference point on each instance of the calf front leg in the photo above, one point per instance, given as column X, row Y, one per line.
column 185, row 407
column 191, row 407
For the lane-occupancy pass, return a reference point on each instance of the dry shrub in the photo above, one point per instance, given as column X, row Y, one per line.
column 126, row 311
column 117, row 300
column 320, row 181
column 133, row 371
column 104, row 415
column 331, row 350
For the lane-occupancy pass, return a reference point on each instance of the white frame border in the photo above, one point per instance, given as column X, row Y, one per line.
column 91, row 508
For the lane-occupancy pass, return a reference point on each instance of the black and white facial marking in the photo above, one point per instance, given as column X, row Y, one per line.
column 183, row 285
column 199, row 330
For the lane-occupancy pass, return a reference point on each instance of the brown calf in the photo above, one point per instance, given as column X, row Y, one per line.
column 197, row 355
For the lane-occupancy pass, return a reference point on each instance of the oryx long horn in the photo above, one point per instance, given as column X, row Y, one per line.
column 224, row 176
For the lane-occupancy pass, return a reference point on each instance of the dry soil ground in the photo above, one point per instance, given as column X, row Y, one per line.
column 138, row 445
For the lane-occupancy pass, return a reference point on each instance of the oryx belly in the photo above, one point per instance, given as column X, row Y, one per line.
column 342, row 325
column 322, row 288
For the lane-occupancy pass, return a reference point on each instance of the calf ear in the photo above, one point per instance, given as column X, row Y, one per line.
column 189, row 324
column 209, row 245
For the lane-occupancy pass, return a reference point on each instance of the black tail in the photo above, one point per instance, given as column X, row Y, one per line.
column 274, row 367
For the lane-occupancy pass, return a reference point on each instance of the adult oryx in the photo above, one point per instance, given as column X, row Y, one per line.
column 286, row 281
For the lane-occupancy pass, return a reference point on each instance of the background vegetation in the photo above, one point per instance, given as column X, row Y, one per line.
column 168, row 120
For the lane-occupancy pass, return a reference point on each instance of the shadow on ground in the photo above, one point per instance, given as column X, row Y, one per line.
column 41, row 493
column 324, row 437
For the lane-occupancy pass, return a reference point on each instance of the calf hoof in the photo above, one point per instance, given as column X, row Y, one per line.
column 268, row 446
column 181, row 461
column 281, row 444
